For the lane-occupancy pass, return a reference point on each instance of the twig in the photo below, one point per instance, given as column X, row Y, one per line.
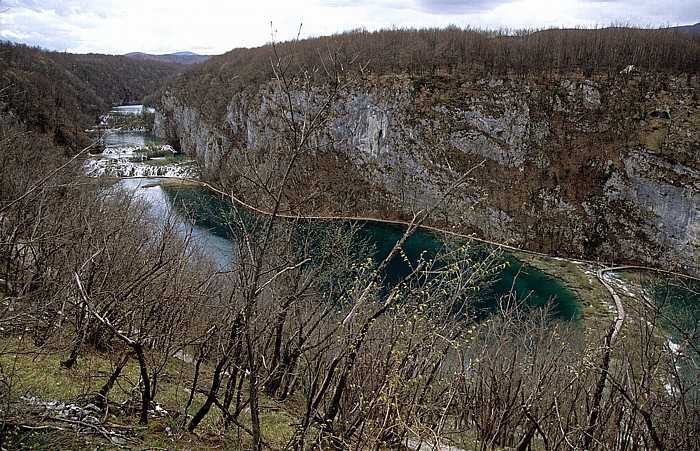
column 46, row 178
column 40, row 428
column 109, row 435
column 279, row 273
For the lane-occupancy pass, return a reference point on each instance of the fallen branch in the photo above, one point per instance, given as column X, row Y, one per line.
column 112, row 436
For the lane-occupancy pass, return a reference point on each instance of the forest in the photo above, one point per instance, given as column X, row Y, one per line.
column 547, row 53
column 61, row 94
column 575, row 161
column 118, row 332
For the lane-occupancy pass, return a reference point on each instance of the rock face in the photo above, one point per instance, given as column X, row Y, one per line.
column 568, row 166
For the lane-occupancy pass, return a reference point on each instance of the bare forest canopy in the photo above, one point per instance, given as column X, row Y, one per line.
column 61, row 94
column 450, row 51
column 557, row 116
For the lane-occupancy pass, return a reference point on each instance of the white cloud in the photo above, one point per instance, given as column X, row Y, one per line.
column 216, row 26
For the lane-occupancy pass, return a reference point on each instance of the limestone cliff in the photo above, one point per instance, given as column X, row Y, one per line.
column 606, row 167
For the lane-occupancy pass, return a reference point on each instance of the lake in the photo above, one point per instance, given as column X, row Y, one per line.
column 204, row 208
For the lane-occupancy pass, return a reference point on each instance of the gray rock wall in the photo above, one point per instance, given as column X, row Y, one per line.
column 578, row 168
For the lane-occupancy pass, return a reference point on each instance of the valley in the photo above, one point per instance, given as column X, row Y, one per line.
column 373, row 240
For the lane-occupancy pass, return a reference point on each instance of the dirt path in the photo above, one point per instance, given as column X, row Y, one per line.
column 621, row 315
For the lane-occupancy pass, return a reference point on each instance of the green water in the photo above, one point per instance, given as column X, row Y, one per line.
column 679, row 302
column 209, row 211
column 526, row 282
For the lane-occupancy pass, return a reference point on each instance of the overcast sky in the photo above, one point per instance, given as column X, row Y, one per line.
column 216, row 26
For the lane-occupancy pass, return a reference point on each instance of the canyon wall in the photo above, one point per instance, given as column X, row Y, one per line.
column 604, row 168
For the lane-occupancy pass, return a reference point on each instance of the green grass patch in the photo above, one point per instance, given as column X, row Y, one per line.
column 27, row 371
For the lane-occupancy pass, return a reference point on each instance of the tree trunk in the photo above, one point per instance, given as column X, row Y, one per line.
column 216, row 380
column 146, row 392
column 101, row 398
column 211, row 396
column 253, row 387
column 598, row 394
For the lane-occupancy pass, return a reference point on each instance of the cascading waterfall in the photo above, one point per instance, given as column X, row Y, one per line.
column 130, row 151
column 122, row 167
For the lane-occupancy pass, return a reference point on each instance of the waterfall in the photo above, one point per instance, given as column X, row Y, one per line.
column 122, row 167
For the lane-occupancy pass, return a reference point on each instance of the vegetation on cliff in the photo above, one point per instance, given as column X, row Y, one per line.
column 451, row 51
column 580, row 159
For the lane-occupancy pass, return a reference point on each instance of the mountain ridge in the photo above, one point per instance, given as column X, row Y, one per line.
column 688, row 28
column 177, row 57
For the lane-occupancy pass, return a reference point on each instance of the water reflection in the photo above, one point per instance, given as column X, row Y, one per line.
column 161, row 207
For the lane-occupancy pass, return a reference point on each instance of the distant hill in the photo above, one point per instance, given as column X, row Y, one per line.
column 178, row 57
column 61, row 94
column 689, row 28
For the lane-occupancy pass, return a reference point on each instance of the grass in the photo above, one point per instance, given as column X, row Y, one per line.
column 27, row 371
column 31, row 372
column 579, row 277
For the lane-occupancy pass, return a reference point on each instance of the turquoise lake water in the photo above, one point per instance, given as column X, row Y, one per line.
column 207, row 209
column 538, row 287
